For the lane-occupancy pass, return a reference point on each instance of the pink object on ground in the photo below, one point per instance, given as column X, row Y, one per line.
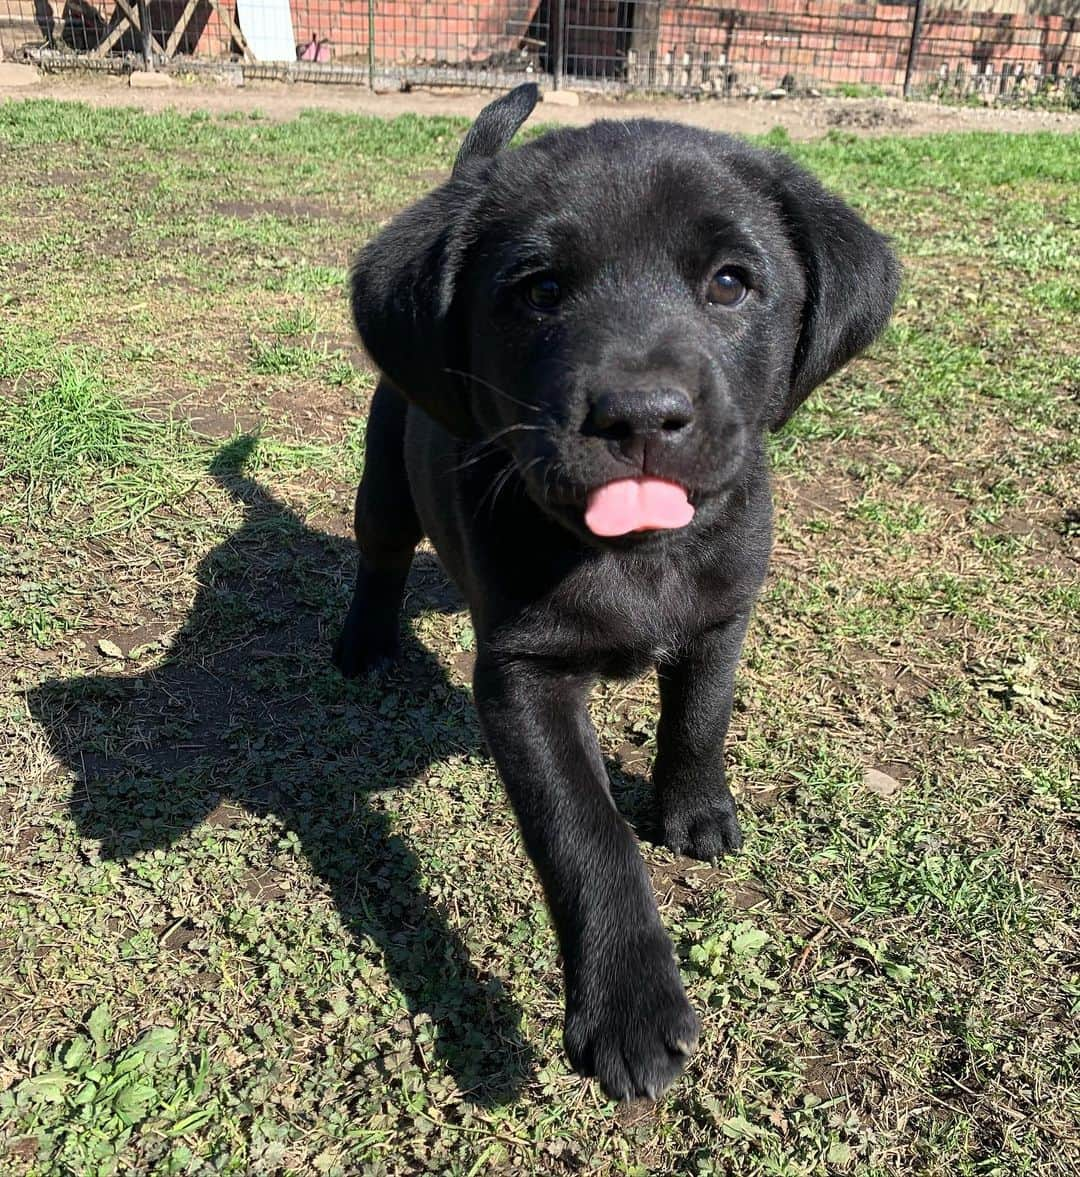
column 637, row 504
column 314, row 50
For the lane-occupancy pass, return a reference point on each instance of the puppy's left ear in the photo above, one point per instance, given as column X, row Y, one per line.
column 852, row 279
column 496, row 125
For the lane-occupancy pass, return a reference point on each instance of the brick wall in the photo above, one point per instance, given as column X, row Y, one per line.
column 832, row 42
column 412, row 30
column 1037, row 42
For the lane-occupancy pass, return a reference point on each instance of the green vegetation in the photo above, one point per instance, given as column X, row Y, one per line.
column 258, row 920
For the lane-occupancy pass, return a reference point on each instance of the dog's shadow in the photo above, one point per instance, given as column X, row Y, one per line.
column 246, row 710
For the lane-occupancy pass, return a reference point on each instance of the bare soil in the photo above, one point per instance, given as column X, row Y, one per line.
column 802, row 118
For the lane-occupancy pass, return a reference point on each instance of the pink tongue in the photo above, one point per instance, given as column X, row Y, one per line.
column 637, row 504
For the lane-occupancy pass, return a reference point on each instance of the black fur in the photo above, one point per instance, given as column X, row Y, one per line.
column 495, row 419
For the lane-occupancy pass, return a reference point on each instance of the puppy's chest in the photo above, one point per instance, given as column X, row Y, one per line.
column 621, row 619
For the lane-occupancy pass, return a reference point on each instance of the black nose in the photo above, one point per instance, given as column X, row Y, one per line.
column 641, row 413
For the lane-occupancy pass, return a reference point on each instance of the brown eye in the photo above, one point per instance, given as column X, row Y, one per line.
column 543, row 293
column 727, row 288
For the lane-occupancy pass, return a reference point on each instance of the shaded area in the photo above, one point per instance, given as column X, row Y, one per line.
column 83, row 25
column 246, row 699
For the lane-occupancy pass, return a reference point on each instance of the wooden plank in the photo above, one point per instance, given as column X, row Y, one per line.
column 231, row 28
column 133, row 17
column 180, row 27
column 121, row 28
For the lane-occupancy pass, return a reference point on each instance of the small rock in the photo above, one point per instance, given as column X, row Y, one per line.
column 880, row 783
column 779, row 92
column 228, row 74
column 149, row 80
column 812, row 93
column 562, row 97
column 14, row 76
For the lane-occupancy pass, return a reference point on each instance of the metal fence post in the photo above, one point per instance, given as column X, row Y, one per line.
column 913, row 47
column 371, row 44
column 144, row 22
column 558, row 42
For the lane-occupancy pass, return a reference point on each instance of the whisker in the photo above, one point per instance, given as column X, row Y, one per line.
column 545, row 489
column 499, row 474
column 501, row 482
column 494, row 388
column 557, row 470
column 489, row 442
column 528, row 468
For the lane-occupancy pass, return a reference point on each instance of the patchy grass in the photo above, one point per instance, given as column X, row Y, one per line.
column 258, row 920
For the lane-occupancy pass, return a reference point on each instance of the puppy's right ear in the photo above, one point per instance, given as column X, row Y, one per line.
column 402, row 289
column 404, row 283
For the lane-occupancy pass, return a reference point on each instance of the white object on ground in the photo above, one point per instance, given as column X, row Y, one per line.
column 268, row 29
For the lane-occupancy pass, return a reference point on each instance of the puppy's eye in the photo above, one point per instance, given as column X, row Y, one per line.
column 543, row 293
column 727, row 288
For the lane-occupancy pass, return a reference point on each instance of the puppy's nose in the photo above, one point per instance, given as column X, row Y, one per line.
column 642, row 413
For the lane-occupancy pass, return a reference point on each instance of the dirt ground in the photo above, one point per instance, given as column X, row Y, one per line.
column 802, row 118
column 299, row 907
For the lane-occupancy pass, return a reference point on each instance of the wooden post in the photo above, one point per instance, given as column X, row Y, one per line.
column 371, row 44
column 913, row 46
column 645, row 33
column 557, row 37
column 144, row 22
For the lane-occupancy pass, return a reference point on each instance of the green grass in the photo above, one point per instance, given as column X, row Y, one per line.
column 259, row 920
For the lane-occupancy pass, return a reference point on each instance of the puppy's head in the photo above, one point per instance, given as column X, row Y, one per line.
column 625, row 308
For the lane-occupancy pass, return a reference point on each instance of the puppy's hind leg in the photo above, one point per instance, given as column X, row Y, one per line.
column 387, row 532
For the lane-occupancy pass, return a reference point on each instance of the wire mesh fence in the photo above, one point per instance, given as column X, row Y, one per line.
column 991, row 48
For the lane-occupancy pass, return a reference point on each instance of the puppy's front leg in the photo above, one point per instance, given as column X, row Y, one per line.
column 628, row 1021
column 697, row 811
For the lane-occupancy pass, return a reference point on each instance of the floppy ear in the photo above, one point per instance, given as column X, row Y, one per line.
column 404, row 282
column 497, row 124
column 851, row 275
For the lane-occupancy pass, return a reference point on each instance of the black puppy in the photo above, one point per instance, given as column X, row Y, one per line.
column 582, row 345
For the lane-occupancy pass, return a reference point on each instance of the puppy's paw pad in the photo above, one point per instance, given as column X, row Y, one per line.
column 637, row 1037
column 705, row 836
column 355, row 658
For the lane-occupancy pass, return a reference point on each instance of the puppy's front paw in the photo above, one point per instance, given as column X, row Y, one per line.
column 632, row 1027
column 702, row 829
column 357, row 653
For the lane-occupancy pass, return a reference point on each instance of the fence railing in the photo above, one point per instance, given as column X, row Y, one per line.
column 993, row 48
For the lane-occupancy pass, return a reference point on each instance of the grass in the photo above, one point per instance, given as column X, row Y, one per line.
column 258, row 920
